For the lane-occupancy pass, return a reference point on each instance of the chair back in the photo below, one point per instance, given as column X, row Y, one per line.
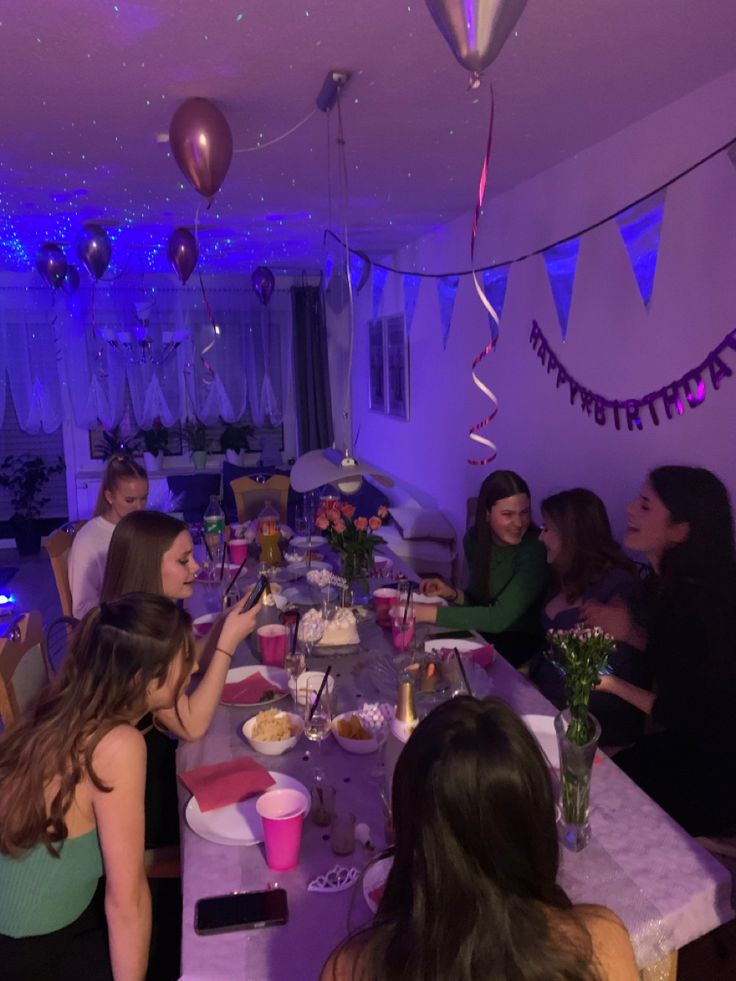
column 250, row 496
column 56, row 641
column 57, row 546
column 22, row 666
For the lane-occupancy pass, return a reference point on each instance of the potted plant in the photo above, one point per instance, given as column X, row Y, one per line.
column 235, row 440
column 352, row 536
column 196, row 433
column 113, row 442
column 25, row 477
column 155, row 442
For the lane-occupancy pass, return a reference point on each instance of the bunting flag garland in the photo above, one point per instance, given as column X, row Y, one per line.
column 640, row 228
column 447, row 288
column 689, row 390
column 358, row 263
column 329, row 263
column 494, row 286
column 411, row 295
column 379, row 282
column 561, row 262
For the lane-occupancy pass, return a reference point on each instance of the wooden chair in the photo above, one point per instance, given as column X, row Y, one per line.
column 56, row 641
column 22, row 666
column 57, row 545
column 250, row 496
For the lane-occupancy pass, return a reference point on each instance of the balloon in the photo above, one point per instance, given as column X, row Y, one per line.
column 94, row 250
column 51, row 264
column 263, row 283
column 202, row 144
column 71, row 281
column 476, row 30
column 182, row 252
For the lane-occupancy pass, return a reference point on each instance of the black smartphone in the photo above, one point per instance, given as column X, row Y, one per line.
column 261, row 586
column 241, row 911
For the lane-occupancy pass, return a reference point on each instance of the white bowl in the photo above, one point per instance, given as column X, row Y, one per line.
column 202, row 625
column 359, row 746
column 271, row 748
column 298, row 686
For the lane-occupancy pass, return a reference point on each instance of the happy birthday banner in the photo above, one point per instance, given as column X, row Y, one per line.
column 673, row 397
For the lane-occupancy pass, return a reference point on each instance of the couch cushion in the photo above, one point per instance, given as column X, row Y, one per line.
column 422, row 523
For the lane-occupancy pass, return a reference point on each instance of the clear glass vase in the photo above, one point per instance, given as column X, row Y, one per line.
column 576, row 766
column 355, row 569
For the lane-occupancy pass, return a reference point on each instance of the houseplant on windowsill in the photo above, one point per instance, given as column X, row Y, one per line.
column 25, row 477
column 197, row 441
column 235, row 440
column 155, row 442
column 352, row 537
column 582, row 654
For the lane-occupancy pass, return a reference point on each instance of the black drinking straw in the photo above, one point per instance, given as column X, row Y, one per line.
column 222, row 564
column 408, row 600
column 315, row 703
column 209, row 550
column 232, row 581
column 296, row 631
column 462, row 671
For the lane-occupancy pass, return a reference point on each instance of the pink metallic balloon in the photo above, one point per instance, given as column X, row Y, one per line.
column 51, row 264
column 476, row 30
column 94, row 250
column 263, row 283
column 182, row 252
column 71, row 281
column 202, row 144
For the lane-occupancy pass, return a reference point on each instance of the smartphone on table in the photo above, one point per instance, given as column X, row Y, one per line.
column 260, row 588
column 241, row 911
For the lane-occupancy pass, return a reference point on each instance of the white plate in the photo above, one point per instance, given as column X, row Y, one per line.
column 464, row 645
column 543, row 728
column 301, row 568
column 375, row 875
column 421, row 600
column 277, row 676
column 301, row 541
column 237, row 824
column 282, row 574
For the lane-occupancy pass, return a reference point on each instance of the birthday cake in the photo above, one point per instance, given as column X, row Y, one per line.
column 339, row 631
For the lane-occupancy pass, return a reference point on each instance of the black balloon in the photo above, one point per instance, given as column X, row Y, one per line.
column 94, row 250
column 182, row 252
column 263, row 283
column 51, row 264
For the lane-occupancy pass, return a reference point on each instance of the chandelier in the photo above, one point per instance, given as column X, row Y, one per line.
column 143, row 344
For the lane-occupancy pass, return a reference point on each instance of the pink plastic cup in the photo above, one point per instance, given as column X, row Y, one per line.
column 402, row 631
column 383, row 600
column 282, row 815
column 273, row 644
column 238, row 550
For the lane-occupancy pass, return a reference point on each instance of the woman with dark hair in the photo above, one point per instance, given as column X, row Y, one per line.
column 124, row 488
column 71, row 798
column 587, row 565
column 508, row 572
column 472, row 892
column 682, row 522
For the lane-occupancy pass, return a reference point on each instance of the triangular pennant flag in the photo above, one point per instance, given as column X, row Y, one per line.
column 561, row 262
column 494, row 286
column 329, row 263
column 640, row 228
column 357, row 265
column 447, row 287
column 411, row 294
column 379, row 281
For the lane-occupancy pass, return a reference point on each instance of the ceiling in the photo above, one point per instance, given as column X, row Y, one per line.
column 90, row 86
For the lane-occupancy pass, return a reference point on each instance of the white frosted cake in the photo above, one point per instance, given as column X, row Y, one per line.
column 340, row 631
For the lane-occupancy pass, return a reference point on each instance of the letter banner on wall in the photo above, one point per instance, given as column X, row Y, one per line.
column 447, row 288
column 411, row 294
column 640, row 228
column 494, row 286
column 561, row 262
column 379, row 282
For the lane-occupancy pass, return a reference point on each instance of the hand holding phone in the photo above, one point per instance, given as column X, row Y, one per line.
column 241, row 911
column 260, row 588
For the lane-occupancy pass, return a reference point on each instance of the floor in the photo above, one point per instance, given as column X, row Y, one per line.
column 711, row 958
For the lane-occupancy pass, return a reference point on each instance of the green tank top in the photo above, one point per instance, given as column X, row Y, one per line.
column 40, row 893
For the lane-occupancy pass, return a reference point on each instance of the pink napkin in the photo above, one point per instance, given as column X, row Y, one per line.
column 483, row 656
column 249, row 691
column 220, row 784
column 376, row 894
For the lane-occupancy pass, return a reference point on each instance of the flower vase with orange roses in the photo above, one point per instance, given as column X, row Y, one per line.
column 352, row 536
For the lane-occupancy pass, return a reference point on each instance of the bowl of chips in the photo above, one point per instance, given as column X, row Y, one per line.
column 273, row 731
column 352, row 733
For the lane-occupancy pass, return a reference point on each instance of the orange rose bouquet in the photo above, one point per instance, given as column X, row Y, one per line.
column 352, row 536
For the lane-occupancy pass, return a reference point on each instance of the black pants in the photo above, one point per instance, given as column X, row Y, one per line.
column 161, row 802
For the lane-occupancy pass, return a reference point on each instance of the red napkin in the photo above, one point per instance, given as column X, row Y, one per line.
column 483, row 656
column 248, row 691
column 220, row 784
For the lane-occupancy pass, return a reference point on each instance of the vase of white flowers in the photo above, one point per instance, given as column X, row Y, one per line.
column 582, row 654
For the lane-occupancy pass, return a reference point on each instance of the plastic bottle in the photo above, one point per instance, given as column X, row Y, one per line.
column 214, row 527
column 402, row 725
column 269, row 534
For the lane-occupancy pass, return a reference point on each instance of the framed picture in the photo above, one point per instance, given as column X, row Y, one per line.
column 397, row 367
column 377, row 366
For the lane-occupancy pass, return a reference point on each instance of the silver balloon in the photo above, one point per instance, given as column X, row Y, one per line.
column 476, row 30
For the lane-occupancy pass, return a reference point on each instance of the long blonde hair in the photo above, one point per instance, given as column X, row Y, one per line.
column 122, row 466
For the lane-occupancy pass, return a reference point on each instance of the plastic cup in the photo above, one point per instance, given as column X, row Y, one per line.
column 383, row 600
column 402, row 631
column 282, row 816
column 273, row 644
column 238, row 550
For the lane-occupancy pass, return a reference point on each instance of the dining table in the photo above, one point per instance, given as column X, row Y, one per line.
column 665, row 887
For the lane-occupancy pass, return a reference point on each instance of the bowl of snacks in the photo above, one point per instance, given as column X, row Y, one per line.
column 351, row 732
column 312, row 679
column 202, row 625
column 273, row 732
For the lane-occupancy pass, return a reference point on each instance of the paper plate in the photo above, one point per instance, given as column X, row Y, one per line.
column 375, row 876
column 421, row 600
column 301, row 541
column 277, row 676
column 463, row 644
column 237, row 824
column 543, row 728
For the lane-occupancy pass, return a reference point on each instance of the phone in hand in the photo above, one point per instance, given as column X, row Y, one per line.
column 241, row 911
column 261, row 586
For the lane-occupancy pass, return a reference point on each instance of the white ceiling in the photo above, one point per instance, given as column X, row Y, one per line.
column 88, row 84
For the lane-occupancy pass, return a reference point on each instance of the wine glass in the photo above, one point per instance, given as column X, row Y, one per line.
column 310, row 631
column 317, row 720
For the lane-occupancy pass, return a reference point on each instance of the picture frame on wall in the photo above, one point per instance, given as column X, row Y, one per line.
column 388, row 354
column 376, row 366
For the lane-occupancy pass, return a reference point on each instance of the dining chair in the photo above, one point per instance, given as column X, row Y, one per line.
column 56, row 641
column 22, row 666
column 250, row 496
column 57, row 546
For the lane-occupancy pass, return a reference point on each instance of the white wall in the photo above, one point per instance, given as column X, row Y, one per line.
column 614, row 346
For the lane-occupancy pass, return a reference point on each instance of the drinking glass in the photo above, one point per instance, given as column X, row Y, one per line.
column 310, row 631
column 317, row 721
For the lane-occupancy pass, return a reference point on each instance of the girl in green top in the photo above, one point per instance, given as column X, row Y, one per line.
column 508, row 572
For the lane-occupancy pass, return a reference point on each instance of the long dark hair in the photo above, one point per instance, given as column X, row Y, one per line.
column 136, row 552
column 122, row 466
column 496, row 486
column 474, row 876
column 116, row 652
column 588, row 551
